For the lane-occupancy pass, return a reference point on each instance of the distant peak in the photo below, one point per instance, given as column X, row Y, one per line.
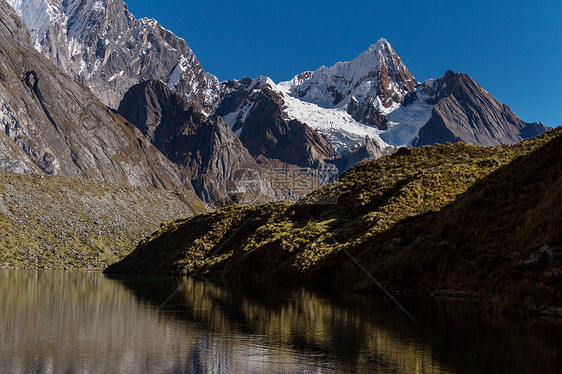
column 382, row 41
column 381, row 44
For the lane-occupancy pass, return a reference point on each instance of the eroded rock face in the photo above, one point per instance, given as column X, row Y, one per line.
column 464, row 111
column 103, row 46
column 207, row 151
column 54, row 125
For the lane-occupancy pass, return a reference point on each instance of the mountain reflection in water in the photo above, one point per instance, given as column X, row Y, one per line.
column 53, row 322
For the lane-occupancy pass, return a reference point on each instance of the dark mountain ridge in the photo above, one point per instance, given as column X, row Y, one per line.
column 267, row 132
column 399, row 216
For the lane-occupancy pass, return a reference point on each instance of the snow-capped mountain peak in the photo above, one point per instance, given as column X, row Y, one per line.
column 380, row 45
column 369, row 87
column 346, row 102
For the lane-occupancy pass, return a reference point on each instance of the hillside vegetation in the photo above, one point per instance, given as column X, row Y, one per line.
column 447, row 218
column 53, row 222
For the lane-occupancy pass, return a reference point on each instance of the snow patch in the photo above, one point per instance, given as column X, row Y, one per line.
column 98, row 6
column 230, row 118
column 115, row 76
column 405, row 122
column 181, row 67
column 339, row 128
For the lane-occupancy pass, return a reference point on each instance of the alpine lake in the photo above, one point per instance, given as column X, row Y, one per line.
column 78, row 322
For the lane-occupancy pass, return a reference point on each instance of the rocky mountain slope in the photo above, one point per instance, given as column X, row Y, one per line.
column 342, row 132
column 254, row 109
column 266, row 132
column 207, row 151
column 59, row 126
column 103, row 46
column 392, row 215
column 464, row 111
column 58, row 222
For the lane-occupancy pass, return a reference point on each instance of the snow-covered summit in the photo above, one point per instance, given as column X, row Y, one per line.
column 380, row 46
column 368, row 87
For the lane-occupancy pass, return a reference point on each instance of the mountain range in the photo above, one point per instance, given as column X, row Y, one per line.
column 122, row 99
column 110, row 127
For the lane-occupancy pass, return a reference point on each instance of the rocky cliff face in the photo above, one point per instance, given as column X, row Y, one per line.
column 103, row 46
column 53, row 125
column 208, row 152
column 464, row 111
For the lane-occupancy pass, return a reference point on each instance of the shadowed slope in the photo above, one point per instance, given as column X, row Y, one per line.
column 391, row 213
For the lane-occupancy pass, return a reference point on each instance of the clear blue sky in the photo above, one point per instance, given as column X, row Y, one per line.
column 512, row 48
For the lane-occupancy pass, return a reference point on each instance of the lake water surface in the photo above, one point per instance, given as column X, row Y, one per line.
column 72, row 322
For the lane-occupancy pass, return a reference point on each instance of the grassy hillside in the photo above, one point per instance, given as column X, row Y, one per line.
column 446, row 218
column 501, row 240
column 64, row 223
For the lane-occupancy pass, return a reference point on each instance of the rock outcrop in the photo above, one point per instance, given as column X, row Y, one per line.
column 367, row 152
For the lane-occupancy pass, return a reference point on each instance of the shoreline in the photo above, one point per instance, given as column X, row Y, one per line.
column 550, row 314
